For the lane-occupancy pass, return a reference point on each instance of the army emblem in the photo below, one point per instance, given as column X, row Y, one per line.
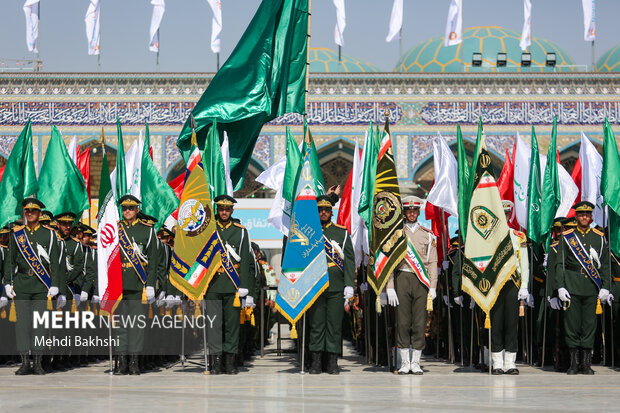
column 483, row 221
column 387, row 210
column 193, row 217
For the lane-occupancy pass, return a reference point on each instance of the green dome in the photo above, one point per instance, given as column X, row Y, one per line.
column 610, row 61
column 433, row 56
column 323, row 60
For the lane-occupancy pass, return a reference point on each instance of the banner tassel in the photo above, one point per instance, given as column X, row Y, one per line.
column 3, row 313
column 237, row 303
column 143, row 295
column 487, row 322
column 12, row 312
column 162, row 310
column 197, row 312
column 378, row 305
column 521, row 309
column 73, row 306
column 252, row 322
column 179, row 311
column 429, row 303
column 150, row 310
column 599, row 307
column 49, row 303
column 293, row 332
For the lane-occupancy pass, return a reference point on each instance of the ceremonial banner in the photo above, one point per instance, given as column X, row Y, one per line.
column 534, row 194
column 526, row 33
column 396, row 21
column 521, row 177
column 591, row 163
column 551, row 194
column 454, row 26
column 610, row 186
column 159, row 7
column 463, row 179
column 92, row 27
column 388, row 243
column 31, row 10
column 444, row 193
column 489, row 259
column 341, row 22
column 304, row 267
column 216, row 25
column 589, row 20
column 197, row 251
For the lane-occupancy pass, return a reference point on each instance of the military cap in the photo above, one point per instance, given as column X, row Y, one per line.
column 570, row 222
column 454, row 241
column 5, row 230
column 86, row 230
column 558, row 222
column 412, row 201
column 32, row 203
column 128, row 200
column 149, row 219
column 507, row 205
column 46, row 217
column 65, row 217
column 225, row 200
column 166, row 232
column 583, row 206
column 325, row 201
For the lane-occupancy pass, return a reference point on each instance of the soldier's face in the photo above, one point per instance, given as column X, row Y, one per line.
column 86, row 239
column 412, row 214
column 224, row 212
column 4, row 239
column 64, row 228
column 584, row 219
column 32, row 215
column 130, row 212
column 325, row 214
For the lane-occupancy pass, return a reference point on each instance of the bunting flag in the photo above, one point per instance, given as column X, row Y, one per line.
column 109, row 270
column 396, row 21
column 489, row 260
column 454, row 26
column 304, row 265
column 589, row 20
column 216, row 24
column 388, row 243
column 591, row 172
column 341, row 22
column 551, row 195
column 198, row 252
column 534, row 196
column 92, row 27
column 264, row 77
column 19, row 179
column 610, row 186
column 444, row 193
column 159, row 7
column 31, row 10
column 526, row 33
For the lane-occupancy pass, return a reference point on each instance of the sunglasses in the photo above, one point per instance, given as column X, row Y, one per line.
column 325, row 209
column 129, row 208
column 30, row 210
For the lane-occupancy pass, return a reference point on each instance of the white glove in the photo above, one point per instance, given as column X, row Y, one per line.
column 53, row 291
column 348, row 293
column 162, row 295
column 364, row 287
column 445, row 264
column 459, row 300
column 83, row 296
column 150, row 293
column 95, row 299
column 3, row 301
column 445, row 301
column 472, row 303
column 77, row 299
column 603, row 295
column 177, row 300
column 523, row 294
column 554, row 303
column 392, row 297
column 243, row 292
column 383, row 299
column 170, row 301
column 530, row 301
column 249, row 301
column 61, row 301
column 545, row 260
column 433, row 293
column 9, row 291
column 563, row 294
column 610, row 299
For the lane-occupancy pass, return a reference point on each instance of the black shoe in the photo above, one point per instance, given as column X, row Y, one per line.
column 512, row 372
column 216, row 368
column 315, row 366
column 332, row 365
column 37, row 368
column 497, row 372
column 574, row 361
column 230, row 364
column 123, row 367
column 134, row 369
column 46, row 362
column 57, row 365
column 25, row 368
column 586, row 356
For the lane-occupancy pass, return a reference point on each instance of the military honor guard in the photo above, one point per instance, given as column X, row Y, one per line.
column 582, row 278
column 410, row 288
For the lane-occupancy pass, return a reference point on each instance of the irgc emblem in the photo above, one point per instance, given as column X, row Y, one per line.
column 387, row 210
column 193, row 217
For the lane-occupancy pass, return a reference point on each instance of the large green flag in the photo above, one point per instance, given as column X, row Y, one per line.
column 610, row 186
column 463, row 172
column 551, row 196
column 214, row 163
column 317, row 175
column 533, row 194
column 121, row 173
column 291, row 177
column 61, row 184
column 20, row 178
column 264, row 77
column 158, row 198
column 371, row 157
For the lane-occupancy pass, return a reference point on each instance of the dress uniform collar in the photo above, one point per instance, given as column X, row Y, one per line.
column 582, row 231
column 224, row 226
column 34, row 229
column 135, row 221
column 328, row 224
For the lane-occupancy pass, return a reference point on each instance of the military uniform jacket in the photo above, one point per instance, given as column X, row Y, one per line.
column 425, row 245
column 519, row 245
column 235, row 235
column 341, row 242
column 45, row 244
column 143, row 238
column 89, row 279
column 568, row 271
column 552, row 256
column 3, row 251
column 454, row 269
column 72, row 266
column 167, row 286
column 615, row 277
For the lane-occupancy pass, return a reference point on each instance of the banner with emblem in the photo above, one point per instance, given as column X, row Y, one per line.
column 388, row 243
column 304, row 267
column 489, row 260
column 197, row 252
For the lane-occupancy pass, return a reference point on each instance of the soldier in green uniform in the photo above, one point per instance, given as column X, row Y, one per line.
column 138, row 250
column 614, row 302
column 326, row 313
column 235, row 240
column 31, row 282
column 89, row 278
column 582, row 276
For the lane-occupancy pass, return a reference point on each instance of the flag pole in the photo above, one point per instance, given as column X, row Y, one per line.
column 308, row 58
column 158, row 42
column 218, row 60
column 37, row 67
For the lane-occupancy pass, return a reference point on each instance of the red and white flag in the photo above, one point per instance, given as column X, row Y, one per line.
column 454, row 26
column 589, row 20
column 591, row 171
column 505, row 185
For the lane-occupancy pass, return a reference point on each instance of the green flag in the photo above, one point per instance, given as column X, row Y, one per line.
column 214, row 163
column 264, row 77
column 371, row 157
column 158, row 198
column 463, row 172
column 533, row 194
column 610, row 186
column 317, row 175
column 61, row 184
column 121, row 173
column 551, row 196
column 291, row 171
column 20, row 178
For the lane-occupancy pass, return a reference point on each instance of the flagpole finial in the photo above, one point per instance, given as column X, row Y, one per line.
column 102, row 138
column 192, row 125
column 387, row 113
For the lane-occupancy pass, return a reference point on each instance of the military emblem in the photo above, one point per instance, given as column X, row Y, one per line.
column 193, row 217
column 483, row 221
column 387, row 210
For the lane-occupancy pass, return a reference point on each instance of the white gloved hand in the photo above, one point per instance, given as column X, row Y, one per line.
column 610, row 299
column 249, row 301
column 545, row 260
column 603, row 294
column 383, row 299
column 554, row 303
column 348, row 293
column 170, row 301
column 162, row 295
column 53, row 291
column 364, row 287
column 83, row 296
column 530, row 301
column 446, row 301
column 150, row 293
column 177, row 300
column 392, row 297
column 3, row 301
column 78, row 299
column 472, row 303
column 523, row 294
column 445, row 264
column 433, row 293
column 563, row 294
column 459, row 300
column 9, row 291
column 61, row 301
column 243, row 292
column 95, row 299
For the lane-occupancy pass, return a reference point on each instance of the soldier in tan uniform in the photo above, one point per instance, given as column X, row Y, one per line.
column 414, row 281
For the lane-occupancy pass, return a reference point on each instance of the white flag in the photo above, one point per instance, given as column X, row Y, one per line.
column 568, row 191
column 73, row 149
column 357, row 223
column 226, row 159
column 159, row 7
column 526, row 33
column 591, row 171
column 273, row 177
column 589, row 20
column 522, row 173
column 454, row 27
column 133, row 162
column 341, row 22
column 444, row 193
column 31, row 10
column 92, row 27
column 216, row 25
column 396, row 21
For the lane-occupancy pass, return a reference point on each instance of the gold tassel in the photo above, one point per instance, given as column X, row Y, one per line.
column 197, row 312
column 293, row 332
column 95, row 310
column 378, row 305
column 179, row 311
column 599, row 308
column 162, row 310
column 87, row 306
column 143, row 295
column 236, row 303
column 168, row 311
column 73, row 307
column 3, row 313
column 150, row 310
column 252, row 322
column 487, row 322
column 12, row 312
column 241, row 317
column 49, row 302
column 429, row 303
column 521, row 309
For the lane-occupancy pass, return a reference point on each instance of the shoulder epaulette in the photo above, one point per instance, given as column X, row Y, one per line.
column 340, row 226
column 598, row 232
column 568, row 231
column 146, row 223
column 554, row 244
column 75, row 239
column 18, row 227
column 238, row 225
column 426, row 229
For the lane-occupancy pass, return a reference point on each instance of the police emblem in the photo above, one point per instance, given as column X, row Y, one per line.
column 193, row 217
column 483, row 221
column 387, row 210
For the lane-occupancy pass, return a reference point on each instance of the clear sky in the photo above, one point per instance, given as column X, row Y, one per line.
column 186, row 30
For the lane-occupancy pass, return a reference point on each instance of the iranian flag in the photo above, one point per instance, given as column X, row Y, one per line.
column 110, row 277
